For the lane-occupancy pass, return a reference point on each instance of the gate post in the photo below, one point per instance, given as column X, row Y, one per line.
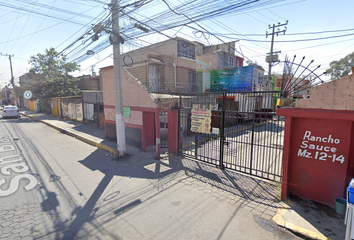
column 196, row 145
column 318, row 153
column 173, row 131
column 252, row 140
column 222, row 132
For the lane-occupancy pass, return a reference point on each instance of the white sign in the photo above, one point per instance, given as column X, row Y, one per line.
column 27, row 95
column 316, row 147
column 201, row 120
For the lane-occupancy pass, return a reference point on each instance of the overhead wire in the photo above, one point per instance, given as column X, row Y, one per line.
column 211, row 9
column 103, row 18
column 22, row 29
column 284, row 41
column 37, row 28
column 12, row 29
column 53, row 16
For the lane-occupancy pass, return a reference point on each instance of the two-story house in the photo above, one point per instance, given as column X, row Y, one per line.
column 149, row 76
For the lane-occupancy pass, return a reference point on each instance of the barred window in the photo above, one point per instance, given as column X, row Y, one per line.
column 186, row 49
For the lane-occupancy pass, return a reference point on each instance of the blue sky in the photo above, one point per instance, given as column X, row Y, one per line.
column 29, row 27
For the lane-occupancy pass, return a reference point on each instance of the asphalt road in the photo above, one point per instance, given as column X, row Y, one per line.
column 53, row 186
column 39, row 190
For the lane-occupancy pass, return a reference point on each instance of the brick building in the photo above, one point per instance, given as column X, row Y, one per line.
column 149, row 75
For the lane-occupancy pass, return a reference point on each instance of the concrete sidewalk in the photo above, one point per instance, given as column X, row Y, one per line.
column 309, row 219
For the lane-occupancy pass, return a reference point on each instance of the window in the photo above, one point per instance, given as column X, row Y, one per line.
column 231, row 62
column 156, row 74
column 192, row 81
column 186, row 49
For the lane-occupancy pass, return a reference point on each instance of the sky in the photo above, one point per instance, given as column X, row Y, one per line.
column 319, row 30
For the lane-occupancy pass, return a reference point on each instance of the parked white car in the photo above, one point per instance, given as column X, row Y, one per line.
column 10, row 111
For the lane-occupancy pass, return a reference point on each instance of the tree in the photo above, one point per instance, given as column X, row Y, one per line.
column 52, row 77
column 342, row 67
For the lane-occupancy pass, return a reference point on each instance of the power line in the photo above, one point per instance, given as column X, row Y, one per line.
column 290, row 34
column 206, row 10
column 298, row 40
column 53, row 16
column 37, row 27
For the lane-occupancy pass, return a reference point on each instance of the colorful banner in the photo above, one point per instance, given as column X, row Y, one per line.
column 238, row 79
column 201, row 120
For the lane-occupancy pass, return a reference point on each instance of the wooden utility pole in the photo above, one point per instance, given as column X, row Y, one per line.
column 116, row 39
column 271, row 54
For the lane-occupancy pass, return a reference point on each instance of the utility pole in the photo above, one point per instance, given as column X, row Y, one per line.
column 93, row 73
column 116, row 39
column 271, row 54
column 12, row 77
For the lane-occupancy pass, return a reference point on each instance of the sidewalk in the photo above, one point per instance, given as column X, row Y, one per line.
column 306, row 218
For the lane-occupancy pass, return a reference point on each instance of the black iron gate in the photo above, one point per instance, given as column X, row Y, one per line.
column 246, row 135
column 163, row 129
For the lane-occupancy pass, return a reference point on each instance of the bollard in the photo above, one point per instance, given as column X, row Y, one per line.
column 34, row 118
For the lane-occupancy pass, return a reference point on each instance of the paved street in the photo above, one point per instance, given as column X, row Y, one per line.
column 85, row 193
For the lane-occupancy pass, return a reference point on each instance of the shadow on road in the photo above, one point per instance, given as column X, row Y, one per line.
column 162, row 174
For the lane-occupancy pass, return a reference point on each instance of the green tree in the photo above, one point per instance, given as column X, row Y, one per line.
column 342, row 67
column 52, row 77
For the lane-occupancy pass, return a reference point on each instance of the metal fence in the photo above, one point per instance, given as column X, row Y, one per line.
column 246, row 135
column 163, row 130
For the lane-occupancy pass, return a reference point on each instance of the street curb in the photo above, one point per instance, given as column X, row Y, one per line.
column 72, row 134
column 280, row 221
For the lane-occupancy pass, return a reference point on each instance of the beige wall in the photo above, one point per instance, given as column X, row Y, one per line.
column 186, row 62
column 136, row 117
column 168, row 47
column 163, row 53
column 169, row 72
column 212, row 59
column 108, row 86
column 336, row 95
column 182, row 76
column 134, row 95
column 140, row 72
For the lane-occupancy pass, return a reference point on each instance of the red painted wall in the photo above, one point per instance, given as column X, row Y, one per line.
column 240, row 59
column 173, row 138
column 317, row 149
column 149, row 128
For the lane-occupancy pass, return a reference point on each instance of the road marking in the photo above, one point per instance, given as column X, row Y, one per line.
column 12, row 162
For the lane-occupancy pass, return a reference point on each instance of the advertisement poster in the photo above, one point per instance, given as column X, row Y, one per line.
column 238, row 79
column 201, row 120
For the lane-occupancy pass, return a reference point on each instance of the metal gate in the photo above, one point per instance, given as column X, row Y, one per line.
column 246, row 134
column 163, row 129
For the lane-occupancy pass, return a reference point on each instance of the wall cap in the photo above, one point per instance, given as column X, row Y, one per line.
column 316, row 113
